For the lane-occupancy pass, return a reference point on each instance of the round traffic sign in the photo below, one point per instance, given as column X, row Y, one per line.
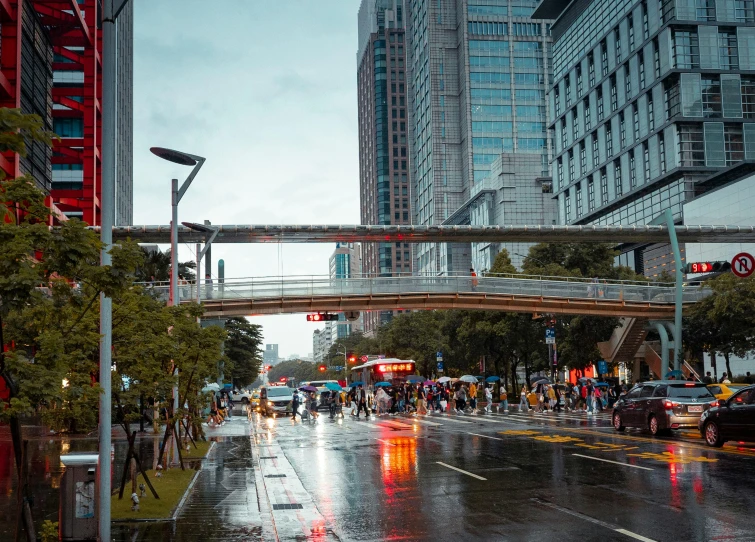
column 743, row 264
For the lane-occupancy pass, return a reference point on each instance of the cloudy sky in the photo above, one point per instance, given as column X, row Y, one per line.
column 266, row 91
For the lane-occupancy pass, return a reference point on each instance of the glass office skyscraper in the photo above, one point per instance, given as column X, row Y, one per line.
column 650, row 99
column 479, row 71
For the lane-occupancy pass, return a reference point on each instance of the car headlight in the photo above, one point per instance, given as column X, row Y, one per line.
column 269, row 403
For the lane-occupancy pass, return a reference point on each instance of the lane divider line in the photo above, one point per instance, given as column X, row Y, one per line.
column 614, row 462
column 461, row 471
column 592, row 520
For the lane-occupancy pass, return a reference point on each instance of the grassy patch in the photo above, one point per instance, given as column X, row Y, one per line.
column 196, row 453
column 170, row 487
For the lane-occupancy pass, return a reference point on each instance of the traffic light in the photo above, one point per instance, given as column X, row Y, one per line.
column 283, row 379
column 707, row 267
column 322, row 317
column 322, row 368
column 351, row 357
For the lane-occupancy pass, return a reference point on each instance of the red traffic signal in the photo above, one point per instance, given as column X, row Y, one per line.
column 322, row 368
column 283, row 379
column 707, row 267
column 322, row 317
column 351, row 357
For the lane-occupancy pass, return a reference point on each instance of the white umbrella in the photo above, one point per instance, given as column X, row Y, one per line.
column 468, row 378
column 211, row 387
column 443, row 379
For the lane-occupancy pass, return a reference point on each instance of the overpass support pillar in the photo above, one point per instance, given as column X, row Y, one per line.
column 659, row 327
column 668, row 218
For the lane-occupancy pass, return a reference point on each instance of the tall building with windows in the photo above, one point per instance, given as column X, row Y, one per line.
column 651, row 98
column 384, row 161
column 52, row 66
column 345, row 263
column 479, row 74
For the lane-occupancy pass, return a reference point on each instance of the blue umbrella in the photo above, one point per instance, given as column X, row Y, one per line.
column 675, row 374
column 355, row 384
column 492, row 379
column 415, row 379
column 382, row 385
column 602, row 384
column 332, row 386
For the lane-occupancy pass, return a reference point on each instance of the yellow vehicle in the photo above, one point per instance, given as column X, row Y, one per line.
column 724, row 391
column 255, row 400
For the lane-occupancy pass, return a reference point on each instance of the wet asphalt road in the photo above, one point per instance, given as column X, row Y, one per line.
column 446, row 477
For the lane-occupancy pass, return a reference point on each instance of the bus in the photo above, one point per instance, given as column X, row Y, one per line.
column 391, row 370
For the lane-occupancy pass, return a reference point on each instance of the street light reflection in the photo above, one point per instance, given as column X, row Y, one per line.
column 398, row 463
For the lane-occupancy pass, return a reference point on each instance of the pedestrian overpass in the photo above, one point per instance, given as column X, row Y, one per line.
column 510, row 293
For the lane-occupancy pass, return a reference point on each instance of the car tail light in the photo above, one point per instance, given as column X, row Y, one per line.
column 714, row 403
column 669, row 404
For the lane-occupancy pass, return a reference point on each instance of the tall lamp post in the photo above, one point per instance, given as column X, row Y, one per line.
column 177, row 194
column 110, row 11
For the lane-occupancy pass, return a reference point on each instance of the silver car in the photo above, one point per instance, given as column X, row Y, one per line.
column 662, row 405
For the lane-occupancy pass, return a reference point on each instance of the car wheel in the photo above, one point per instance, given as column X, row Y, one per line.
column 655, row 430
column 617, row 422
column 713, row 435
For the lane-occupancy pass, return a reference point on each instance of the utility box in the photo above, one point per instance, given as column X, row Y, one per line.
column 78, row 497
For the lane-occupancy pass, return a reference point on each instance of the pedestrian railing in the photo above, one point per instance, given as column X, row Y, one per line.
column 513, row 285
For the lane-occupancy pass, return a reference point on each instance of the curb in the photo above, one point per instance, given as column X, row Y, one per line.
column 180, row 504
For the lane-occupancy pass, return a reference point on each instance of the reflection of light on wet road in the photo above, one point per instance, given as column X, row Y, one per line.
column 398, row 463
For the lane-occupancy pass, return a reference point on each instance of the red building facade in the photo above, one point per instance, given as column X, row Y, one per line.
column 51, row 53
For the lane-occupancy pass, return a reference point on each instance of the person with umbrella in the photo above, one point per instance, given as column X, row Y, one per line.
column 361, row 400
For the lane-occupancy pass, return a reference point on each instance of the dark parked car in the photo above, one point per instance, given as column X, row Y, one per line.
column 732, row 419
column 662, row 405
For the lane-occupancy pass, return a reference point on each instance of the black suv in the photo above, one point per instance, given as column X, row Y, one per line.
column 731, row 419
column 662, row 405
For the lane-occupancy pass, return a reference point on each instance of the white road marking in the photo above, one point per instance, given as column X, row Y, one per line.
column 634, row 535
column 461, row 471
column 485, row 436
column 454, row 420
column 424, row 422
column 614, row 462
column 574, row 513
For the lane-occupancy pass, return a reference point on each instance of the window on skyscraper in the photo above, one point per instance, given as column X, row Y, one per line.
column 570, row 157
column 590, row 195
column 656, row 58
column 622, row 130
column 662, row 149
column 609, row 141
column 591, row 68
column 646, row 160
column 711, row 93
column 578, row 197
column 586, row 106
column 686, row 49
column 734, row 148
column 575, row 123
column 630, row 21
column 744, row 10
column 603, row 186
column 617, row 41
column 617, row 178
column 632, row 170
column 748, row 97
column 627, row 81
column 651, row 112
column 728, row 52
column 614, row 93
column 579, row 80
column 604, row 58
column 645, row 28
column 705, row 10
column 691, row 145
column 582, row 158
column 567, row 206
column 595, row 150
column 560, row 172
column 636, row 121
column 641, row 58
column 600, row 103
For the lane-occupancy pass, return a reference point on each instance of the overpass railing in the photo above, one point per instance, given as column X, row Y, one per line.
column 517, row 285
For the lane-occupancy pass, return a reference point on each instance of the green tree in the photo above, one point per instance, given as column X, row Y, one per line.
column 300, row 370
column 156, row 267
column 242, row 348
column 414, row 336
column 724, row 322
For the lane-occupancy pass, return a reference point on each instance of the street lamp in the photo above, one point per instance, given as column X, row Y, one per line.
column 213, row 231
column 177, row 194
column 183, row 159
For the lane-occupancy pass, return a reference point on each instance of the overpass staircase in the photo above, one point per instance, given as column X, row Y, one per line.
column 626, row 340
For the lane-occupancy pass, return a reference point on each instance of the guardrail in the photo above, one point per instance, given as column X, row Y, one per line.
column 515, row 285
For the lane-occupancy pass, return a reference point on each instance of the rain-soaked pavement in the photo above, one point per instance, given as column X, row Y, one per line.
column 446, row 477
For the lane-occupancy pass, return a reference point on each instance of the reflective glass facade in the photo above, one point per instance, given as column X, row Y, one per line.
column 668, row 101
column 479, row 72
